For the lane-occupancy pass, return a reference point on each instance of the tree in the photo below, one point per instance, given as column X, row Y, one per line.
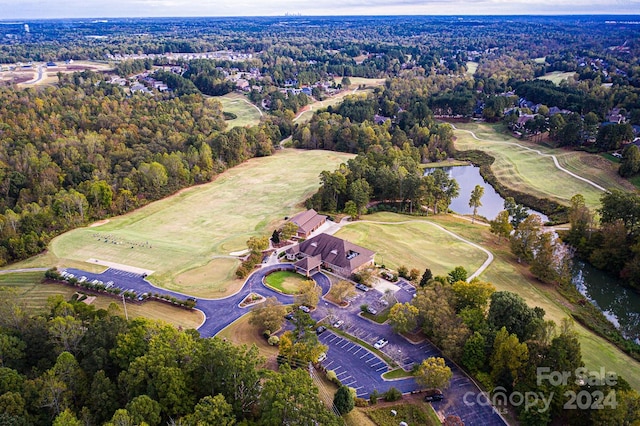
column 473, row 355
column 309, row 294
column 66, row 418
column 630, row 164
column 426, row 277
column 212, row 410
column 548, row 263
column 525, row 238
column 258, row 244
column 288, row 230
column 511, row 311
column 144, row 409
column 289, row 397
column 457, row 274
column 341, row 290
column 475, row 200
column 501, row 226
column 268, row 315
column 474, row 294
column 581, row 220
column 508, row 358
column 403, row 317
column 350, row 209
column 275, row 237
column 346, row 82
column 343, row 400
column 433, row 373
column 359, row 193
column 517, row 212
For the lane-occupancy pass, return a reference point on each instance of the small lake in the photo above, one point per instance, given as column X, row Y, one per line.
column 619, row 304
column 468, row 177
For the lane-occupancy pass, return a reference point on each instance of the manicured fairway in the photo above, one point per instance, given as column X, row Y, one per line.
column 247, row 113
column 518, row 166
column 557, row 76
column 414, row 245
column 186, row 231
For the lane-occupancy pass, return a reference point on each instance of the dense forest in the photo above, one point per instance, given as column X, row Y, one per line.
column 75, row 365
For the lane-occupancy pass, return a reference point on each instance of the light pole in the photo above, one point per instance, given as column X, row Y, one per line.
column 125, row 308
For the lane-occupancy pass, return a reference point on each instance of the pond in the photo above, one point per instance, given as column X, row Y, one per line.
column 619, row 304
column 468, row 177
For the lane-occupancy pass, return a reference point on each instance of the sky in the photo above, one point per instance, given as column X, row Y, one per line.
column 45, row 9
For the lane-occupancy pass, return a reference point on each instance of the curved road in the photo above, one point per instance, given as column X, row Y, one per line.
column 555, row 160
column 355, row 365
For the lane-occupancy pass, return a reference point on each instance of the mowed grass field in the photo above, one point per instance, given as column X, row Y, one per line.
column 557, row 76
column 31, row 293
column 472, row 67
column 186, row 231
column 416, row 244
column 521, row 168
column 285, row 281
column 238, row 104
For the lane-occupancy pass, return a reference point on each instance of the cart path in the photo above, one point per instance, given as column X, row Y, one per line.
column 555, row 160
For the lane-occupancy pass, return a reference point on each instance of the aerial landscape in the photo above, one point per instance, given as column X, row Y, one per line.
column 348, row 213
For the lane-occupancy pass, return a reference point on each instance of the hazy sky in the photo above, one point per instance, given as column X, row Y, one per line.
column 38, row 9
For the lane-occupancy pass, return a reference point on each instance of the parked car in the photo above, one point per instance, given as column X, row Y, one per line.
column 322, row 357
column 371, row 310
column 289, row 316
column 433, row 395
column 321, row 329
column 380, row 343
column 338, row 324
column 362, row 287
column 305, row 309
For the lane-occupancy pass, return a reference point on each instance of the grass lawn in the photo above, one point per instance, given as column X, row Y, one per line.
column 413, row 244
column 185, row 232
column 33, row 294
column 527, row 171
column 415, row 414
column 286, row 282
column 398, row 373
column 557, row 76
column 240, row 332
column 235, row 103
column 472, row 67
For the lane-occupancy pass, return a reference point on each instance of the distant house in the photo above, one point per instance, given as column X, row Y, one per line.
column 308, row 222
column 342, row 257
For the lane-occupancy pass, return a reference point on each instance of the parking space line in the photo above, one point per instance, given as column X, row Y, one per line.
column 366, row 353
column 359, row 349
column 336, row 369
column 381, row 368
column 345, row 344
column 329, row 363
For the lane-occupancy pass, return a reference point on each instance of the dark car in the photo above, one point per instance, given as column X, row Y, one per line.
column 289, row 316
column 434, row 395
column 321, row 329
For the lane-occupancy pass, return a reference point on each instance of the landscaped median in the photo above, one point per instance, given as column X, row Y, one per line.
column 285, row 281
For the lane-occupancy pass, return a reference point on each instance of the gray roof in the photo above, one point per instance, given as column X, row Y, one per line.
column 336, row 251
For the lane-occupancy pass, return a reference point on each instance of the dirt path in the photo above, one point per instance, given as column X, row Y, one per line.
column 555, row 160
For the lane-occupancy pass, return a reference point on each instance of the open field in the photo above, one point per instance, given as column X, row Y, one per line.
column 518, row 167
column 28, row 288
column 29, row 77
column 369, row 83
column 286, row 282
column 557, row 76
column 472, row 67
column 216, row 277
column 248, row 114
column 594, row 167
column 186, row 231
column 414, row 244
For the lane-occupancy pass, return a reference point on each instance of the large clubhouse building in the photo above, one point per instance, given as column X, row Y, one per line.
column 307, row 222
column 340, row 256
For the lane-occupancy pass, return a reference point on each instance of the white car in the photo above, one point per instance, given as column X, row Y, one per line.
column 380, row 343
column 322, row 357
column 338, row 324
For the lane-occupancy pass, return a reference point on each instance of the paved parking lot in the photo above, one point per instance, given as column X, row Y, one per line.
column 354, row 365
